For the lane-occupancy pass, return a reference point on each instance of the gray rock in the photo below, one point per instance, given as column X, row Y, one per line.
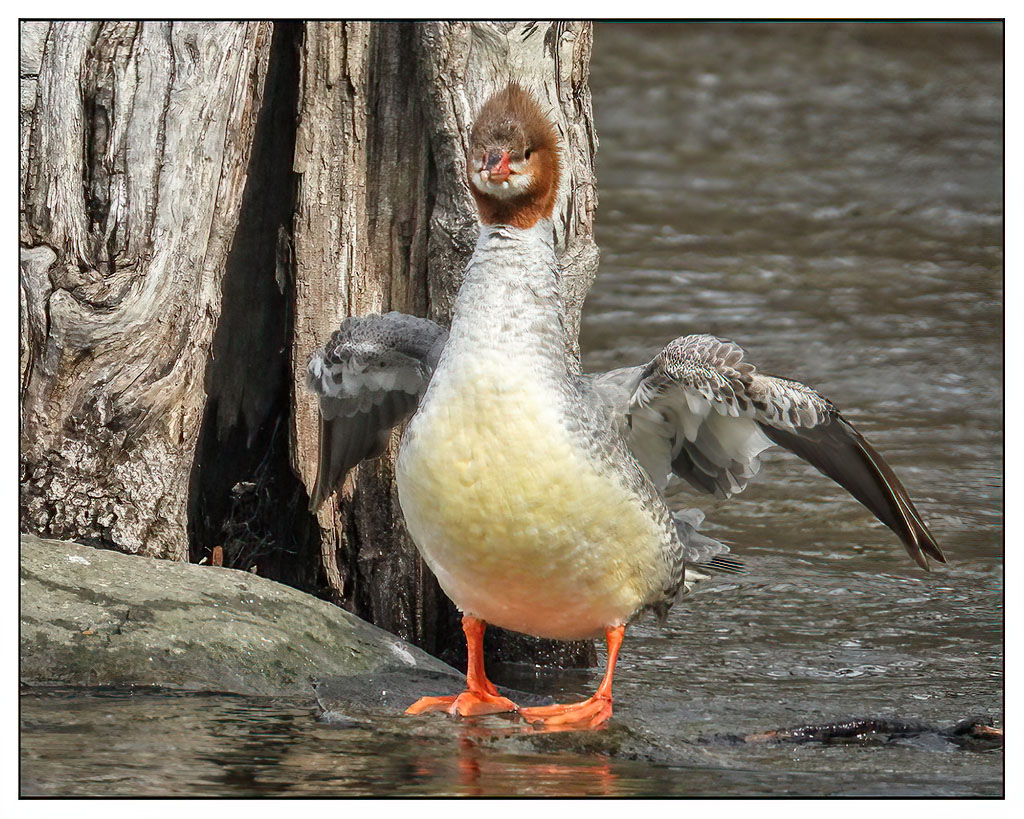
column 96, row 617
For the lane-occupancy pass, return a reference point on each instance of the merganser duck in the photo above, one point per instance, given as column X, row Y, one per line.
column 533, row 493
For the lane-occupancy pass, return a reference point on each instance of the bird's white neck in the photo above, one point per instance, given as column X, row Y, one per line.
column 510, row 300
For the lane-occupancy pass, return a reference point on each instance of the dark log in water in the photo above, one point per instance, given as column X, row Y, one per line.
column 976, row 733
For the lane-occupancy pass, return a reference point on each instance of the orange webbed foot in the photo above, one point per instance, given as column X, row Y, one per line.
column 590, row 713
column 466, row 704
column 481, row 696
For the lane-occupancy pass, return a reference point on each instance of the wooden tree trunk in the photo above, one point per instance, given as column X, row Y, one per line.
column 135, row 143
column 385, row 221
column 170, row 306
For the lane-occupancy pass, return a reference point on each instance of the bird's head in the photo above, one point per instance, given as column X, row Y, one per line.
column 513, row 163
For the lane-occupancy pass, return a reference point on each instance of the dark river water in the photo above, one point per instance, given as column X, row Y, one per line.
column 830, row 197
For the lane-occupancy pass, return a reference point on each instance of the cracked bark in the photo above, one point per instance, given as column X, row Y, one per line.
column 202, row 203
column 137, row 139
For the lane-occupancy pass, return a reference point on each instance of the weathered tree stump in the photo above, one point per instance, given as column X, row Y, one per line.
column 135, row 147
column 202, row 203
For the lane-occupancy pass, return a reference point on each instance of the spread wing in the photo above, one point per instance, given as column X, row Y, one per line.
column 701, row 412
column 369, row 377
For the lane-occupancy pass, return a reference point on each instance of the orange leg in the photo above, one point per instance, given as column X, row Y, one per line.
column 589, row 713
column 481, row 697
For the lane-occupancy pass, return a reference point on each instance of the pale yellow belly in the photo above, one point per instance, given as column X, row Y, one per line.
column 522, row 528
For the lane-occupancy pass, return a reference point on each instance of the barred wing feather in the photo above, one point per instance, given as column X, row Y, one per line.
column 703, row 413
column 369, row 377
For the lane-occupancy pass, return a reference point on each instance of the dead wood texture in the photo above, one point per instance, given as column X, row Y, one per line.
column 135, row 141
column 202, row 203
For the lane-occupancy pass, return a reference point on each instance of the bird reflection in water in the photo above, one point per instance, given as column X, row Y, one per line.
column 482, row 769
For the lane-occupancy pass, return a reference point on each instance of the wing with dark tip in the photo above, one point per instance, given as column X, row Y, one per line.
column 703, row 413
column 369, row 377
column 836, row 449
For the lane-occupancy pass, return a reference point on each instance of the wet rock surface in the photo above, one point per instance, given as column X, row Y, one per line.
column 394, row 689
column 93, row 617
column 379, row 700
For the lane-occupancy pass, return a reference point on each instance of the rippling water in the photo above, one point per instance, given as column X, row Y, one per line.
column 830, row 197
